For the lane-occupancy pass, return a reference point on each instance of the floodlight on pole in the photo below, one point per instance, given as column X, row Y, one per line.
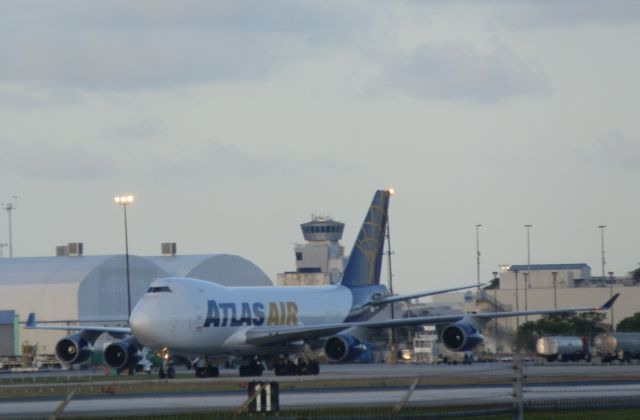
column 526, row 277
column 602, row 227
column 613, row 324
column 124, row 201
column 393, row 356
column 10, row 207
column 478, row 255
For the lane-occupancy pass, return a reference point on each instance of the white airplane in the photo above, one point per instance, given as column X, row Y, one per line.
column 193, row 318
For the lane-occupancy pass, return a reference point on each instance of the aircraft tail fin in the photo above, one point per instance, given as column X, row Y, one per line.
column 365, row 260
column 31, row 320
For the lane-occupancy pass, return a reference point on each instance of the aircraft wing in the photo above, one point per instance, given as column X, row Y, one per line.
column 265, row 337
column 426, row 320
column 274, row 335
column 391, row 299
column 32, row 324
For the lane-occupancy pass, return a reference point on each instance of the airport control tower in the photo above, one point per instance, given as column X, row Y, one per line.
column 321, row 260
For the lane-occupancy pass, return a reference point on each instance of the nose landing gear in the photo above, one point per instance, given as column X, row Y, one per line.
column 167, row 370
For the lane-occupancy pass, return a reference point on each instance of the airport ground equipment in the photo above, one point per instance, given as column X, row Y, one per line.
column 563, row 348
column 618, row 346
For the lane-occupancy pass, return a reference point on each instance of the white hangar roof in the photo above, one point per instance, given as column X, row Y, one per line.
column 93, row 288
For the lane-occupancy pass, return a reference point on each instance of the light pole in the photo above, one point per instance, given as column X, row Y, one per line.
column 602, row 227
column 393, row 357
column 555, row 296
column 517, row 301
column 124, row 201
column 478, row 254
column 495, row 300
column 526, row 277
column 613, row 324
column 526, row 301
column 9, row 207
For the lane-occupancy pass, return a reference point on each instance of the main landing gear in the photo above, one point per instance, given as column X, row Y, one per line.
column 282, row 366
column 206, row 369
column 251, row 366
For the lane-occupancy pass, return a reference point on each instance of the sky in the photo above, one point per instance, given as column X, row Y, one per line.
column 232, row 122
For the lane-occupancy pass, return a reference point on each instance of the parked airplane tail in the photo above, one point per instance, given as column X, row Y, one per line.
column 365, row 260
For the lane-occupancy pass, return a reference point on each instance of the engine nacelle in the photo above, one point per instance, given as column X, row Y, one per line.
column 343, row 347
column 122, row 354
column 73, row 349
column 461, row 337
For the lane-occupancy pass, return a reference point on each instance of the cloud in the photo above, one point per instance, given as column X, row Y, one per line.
column 621, row 151
column 151, row 44
column 61, row 162
column 138, row 130
column 21, row 96
column 566, row 13
column 458, row 71
column 223, row 160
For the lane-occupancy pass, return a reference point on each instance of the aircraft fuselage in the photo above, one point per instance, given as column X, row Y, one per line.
column 192, row 316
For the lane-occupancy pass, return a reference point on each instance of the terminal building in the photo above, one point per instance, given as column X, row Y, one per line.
column 549, row 286
column 93, row 289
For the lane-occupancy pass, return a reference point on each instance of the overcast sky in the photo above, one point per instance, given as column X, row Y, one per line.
column 233, row 121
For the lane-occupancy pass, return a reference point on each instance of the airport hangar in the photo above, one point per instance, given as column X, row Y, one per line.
column 93, row 289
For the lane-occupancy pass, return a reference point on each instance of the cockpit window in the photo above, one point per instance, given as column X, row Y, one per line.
column 158, row 289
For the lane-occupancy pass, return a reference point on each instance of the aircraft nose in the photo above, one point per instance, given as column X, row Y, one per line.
column 140, row 323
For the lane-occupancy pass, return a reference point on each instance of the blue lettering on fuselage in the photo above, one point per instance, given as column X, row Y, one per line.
column 231, row 314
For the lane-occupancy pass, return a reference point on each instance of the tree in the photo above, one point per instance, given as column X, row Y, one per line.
column 635, row 275
column 493, row 284
column 630, row 324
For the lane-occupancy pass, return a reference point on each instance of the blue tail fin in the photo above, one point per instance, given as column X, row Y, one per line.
column 363, row 267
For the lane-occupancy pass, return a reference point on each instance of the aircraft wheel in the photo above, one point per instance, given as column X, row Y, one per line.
column 212, row 372
column 171, row 372
column 314, row 368
column 200, row 371
column 162, row 374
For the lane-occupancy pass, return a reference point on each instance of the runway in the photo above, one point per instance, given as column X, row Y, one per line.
column 597, row 382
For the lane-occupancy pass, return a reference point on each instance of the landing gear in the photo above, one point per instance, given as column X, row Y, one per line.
column 282, row 366
column 308, row 367
column 305, row 366
column 251, row 366
column 166, row 370
column 204, row 369
column 168, row 373
column 207, row 371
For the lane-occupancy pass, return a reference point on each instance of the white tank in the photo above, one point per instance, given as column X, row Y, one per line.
column 551, row 346
column 605, row 344
column 612, row 343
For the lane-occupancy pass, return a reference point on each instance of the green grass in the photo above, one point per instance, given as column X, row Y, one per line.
column 426, row 413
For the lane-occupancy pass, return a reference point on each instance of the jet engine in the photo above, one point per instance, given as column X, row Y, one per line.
column 74, row 349
column 122, row 354
column 343, row 347
column 461, row 337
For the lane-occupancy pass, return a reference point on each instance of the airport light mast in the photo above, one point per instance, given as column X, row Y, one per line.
column 9, row 207
column 393, row 356
column 613, row 323
column 528, row 273
column 478, row 254
column 124, row 201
